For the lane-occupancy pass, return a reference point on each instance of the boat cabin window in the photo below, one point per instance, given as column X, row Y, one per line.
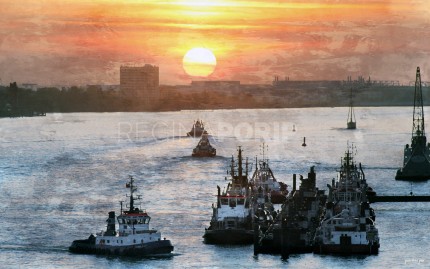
column 232, row 202
column 240, row 201
column 144, row 220
column 224, row 201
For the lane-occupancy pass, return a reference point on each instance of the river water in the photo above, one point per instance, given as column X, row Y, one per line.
column 61, row 174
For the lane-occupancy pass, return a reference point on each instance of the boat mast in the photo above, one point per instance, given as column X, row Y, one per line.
column 263, row 148
column 132, row 190
column 418, row 132
column 240, row 164
column 232, row 167
column 351, row 115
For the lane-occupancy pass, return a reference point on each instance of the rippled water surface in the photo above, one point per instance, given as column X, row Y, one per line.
column 61, row 174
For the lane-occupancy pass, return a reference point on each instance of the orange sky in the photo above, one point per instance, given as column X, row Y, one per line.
column 78, row 42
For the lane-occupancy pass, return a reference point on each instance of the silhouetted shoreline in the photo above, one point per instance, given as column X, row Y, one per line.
column 93, row 99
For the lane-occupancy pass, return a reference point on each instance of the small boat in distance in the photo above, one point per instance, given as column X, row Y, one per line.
column 416, row 161
column 134, row 237
column 204, row 148
column 197, row 130
column 351, row 124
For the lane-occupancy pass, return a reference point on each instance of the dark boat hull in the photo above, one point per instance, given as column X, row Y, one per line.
column 347, row 249
column 412, row 175
column 351, row 125
column 285, row 241
column 196, row 133
column 416, row 165
column 203, row 154
column 229, row 236
column 146, row 249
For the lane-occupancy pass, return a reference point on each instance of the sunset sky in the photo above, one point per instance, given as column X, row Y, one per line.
column 77, row 42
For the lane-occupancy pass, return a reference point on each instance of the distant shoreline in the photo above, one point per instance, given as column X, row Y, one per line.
column 53, row 100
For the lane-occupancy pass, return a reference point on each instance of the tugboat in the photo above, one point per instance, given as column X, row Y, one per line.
column 351, row 124
column 291, row 230
column 348, row 225
column 231, row 221
column 197, row 130
column 134, row 237
column 416, row 161
column 204, row 148
column 264, row 181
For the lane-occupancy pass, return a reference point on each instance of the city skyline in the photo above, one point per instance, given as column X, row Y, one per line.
column 77, row 42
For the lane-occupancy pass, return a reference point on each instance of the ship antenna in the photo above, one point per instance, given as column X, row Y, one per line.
column 246, row 167
column 121, row 203
column 232, row 167
column 132, row 190
column 262, row 149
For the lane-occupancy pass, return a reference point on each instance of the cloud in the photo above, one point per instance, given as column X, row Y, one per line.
column 81, row 42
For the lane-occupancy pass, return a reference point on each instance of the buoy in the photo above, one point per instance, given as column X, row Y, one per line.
column 304, row 142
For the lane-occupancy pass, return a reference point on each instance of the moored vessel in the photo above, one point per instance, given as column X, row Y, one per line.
column 204, row 148
column 292, row 229
column 348, row 223
column 231, row 221
column 416, row 161
column 198, row 129
column 133, row 238
column 264, row 182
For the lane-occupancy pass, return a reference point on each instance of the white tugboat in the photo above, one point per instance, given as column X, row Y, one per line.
column 231, row 221
column 133, row 238
column 348, row 226
column 264, row 181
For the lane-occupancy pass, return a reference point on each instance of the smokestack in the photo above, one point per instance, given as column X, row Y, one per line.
column 294, row 183
column 219, row 194
column 110, row 230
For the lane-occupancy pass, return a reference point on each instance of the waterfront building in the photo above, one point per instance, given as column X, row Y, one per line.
column 142, row 83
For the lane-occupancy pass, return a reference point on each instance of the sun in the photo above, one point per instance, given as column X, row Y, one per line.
column 199, row 62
